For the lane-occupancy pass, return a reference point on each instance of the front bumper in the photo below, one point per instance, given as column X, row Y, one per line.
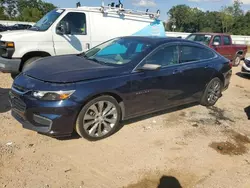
column 9, row 65
column 55, row 118
column 245, row 69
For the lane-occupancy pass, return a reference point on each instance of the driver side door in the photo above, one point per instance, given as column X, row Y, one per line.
column 78, row 40
column 152, row 90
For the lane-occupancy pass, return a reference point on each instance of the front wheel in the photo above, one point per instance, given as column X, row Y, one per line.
column 99, row 118
column 236, row 61
column 30, row 61
column 212, row 92
column 14, row 75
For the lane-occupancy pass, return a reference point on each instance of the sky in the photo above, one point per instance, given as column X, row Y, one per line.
column 154, row 5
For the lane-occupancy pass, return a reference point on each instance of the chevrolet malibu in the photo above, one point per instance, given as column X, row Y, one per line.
column 122, row 78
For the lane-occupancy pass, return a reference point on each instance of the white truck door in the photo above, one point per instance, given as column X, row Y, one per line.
column 79, row 38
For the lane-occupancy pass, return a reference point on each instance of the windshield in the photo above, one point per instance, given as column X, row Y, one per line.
column 45, row 22
column 202, row 38
column 118, row 51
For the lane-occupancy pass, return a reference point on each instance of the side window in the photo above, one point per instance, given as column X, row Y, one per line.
column 77, row 23
column 164, row 56
column 217, row 39
column 226, row 40
column 113, row 49
column 192, row 53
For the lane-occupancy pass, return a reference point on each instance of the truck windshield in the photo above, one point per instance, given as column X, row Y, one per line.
column 202, row 38
column 45, row 22
column 118, row 51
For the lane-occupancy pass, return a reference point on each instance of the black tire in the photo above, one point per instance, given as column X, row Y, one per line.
column 80, row 120
column 209, row 92
column 236, row 61
column 14, row 75
column 29, row 61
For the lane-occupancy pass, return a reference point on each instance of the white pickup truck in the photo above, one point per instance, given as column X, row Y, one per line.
column 72, row 31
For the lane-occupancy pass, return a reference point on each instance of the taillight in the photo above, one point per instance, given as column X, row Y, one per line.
column 230, row 64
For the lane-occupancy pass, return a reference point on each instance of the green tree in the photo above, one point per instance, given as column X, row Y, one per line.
column 227, row 19
column 30, row 14
column 28, row 8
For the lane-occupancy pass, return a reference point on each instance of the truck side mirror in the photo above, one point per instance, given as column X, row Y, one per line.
column 63, row 28
column 216, row 43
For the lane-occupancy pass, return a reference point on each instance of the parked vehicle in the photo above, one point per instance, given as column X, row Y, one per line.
column 3, row 28
column 117, row 80
column 222, row 43
column 73, row 31
column 246, row 67
column 19, row 27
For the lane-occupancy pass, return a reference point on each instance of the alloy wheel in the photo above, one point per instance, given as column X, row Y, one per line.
column 214, row 91
column 100, row 118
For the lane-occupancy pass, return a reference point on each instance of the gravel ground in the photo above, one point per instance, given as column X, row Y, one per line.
column 191, row 146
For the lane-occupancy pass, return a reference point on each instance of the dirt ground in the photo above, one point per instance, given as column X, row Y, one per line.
column 191, row 146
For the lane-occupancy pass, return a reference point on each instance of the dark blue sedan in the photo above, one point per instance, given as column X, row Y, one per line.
column 117, row 80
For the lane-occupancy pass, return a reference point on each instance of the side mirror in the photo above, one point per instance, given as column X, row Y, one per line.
column 149, row 67
column 216, row 43
column 63, row 28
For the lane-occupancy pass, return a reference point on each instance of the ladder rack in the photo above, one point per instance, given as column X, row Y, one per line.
column 121, row 11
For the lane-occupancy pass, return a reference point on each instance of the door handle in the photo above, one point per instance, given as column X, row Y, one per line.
column 207, row 66
column 87, row 46
column 176, row 71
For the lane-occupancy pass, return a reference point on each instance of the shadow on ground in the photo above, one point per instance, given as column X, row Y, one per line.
column 4, row 100
column 75, row 135
column 164, row 182
column 246, row 76
column 247, row 110
column 169, row 181
column 144, row 117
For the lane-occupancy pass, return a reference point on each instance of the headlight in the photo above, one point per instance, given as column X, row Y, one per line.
column 52, row 95
column 7, row 44
column 7, row 49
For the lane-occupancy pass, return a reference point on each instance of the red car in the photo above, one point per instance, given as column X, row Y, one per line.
column 222, row 43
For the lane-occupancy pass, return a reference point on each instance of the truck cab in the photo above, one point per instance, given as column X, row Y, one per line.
column 72, row 31
column 222, row 43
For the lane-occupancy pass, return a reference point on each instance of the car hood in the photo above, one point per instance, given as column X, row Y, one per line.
column 69, row 68
column 22, row 36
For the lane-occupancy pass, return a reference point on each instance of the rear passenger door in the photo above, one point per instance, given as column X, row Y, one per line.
column 196, row 64
column 227, row 48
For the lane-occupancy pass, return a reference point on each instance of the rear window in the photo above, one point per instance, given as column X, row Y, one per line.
column 201, row 38
column 226, row 40
column 192, row 53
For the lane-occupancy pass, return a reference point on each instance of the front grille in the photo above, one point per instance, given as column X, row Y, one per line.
column 18, row 104
column 3, row 51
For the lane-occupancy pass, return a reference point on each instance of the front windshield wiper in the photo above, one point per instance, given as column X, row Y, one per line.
column 34, row 28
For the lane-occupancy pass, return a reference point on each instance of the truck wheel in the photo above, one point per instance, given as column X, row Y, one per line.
column 14, row 75
column 29, row 61
column 236, row 61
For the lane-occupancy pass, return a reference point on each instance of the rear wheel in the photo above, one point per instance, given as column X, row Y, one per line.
column 99, row 118
column 212, row 92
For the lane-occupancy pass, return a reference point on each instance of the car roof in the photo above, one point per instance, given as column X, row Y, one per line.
column 161, row 40
column 209, row 33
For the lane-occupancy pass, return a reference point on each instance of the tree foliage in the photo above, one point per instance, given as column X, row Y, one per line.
column 24, row 10
column 230, row 19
